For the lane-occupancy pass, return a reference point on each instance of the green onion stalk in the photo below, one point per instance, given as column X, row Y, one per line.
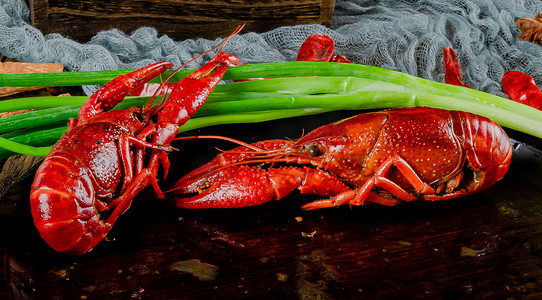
column 292, row 89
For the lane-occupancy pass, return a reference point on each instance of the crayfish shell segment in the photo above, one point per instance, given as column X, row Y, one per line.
column 236, row 186
column 488, row 150
column 344, row 146
column 66, row 217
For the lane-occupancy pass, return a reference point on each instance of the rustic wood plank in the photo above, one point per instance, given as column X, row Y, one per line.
column 21, row 67
column 179, row 20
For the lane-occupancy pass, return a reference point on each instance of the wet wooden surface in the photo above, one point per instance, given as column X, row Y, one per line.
column 484, row 246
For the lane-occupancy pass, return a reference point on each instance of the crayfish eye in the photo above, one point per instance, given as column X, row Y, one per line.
column 315, row 150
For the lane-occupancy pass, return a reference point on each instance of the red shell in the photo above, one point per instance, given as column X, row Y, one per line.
column 456, row 153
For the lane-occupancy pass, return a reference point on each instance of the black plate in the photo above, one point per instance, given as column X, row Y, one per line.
column 486, row 245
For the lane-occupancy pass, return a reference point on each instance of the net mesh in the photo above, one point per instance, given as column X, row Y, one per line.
column 402, row 35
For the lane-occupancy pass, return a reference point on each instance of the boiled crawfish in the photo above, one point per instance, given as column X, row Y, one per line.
column 522, row 88
column 95, row 170
column 319, row 47
column 519, row 86
column 383, row 157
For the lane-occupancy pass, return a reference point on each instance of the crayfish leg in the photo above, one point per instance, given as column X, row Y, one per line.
column 139, row 152
column 126, row 157
column 452, row 195
column 164, row 159
column 345, row 197
column 123, row 202
column 362, row 194
column 337, row 200
column 379, row 180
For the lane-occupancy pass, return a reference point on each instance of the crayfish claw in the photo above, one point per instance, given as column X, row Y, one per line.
column 340, row 199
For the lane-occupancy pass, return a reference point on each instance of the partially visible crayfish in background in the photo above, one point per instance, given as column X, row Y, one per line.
column 383, row 157
column 319, row 47
column 94, row 171
column 519, row 86
column 522, row 88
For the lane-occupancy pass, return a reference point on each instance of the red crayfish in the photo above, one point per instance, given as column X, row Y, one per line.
column 519, row 86
column 319, row 47
column 94, row 171
column 522, row 88
column 382, row 157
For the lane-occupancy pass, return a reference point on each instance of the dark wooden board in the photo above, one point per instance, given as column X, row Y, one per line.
column 81, row 20
column 484, row 246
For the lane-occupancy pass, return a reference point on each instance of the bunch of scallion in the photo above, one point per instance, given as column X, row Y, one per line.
column 292, row 89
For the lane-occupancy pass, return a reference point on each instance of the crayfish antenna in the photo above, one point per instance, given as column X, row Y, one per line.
column 152, row 106
column 224, row 138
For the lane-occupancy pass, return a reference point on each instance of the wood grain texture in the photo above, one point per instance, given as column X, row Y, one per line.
column 178, row 19
column 10, row 67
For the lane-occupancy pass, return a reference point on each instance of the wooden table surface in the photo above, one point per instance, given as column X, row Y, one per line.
column 484, row 246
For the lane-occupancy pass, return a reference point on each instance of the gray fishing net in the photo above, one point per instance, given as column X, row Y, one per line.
column 406, row 36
